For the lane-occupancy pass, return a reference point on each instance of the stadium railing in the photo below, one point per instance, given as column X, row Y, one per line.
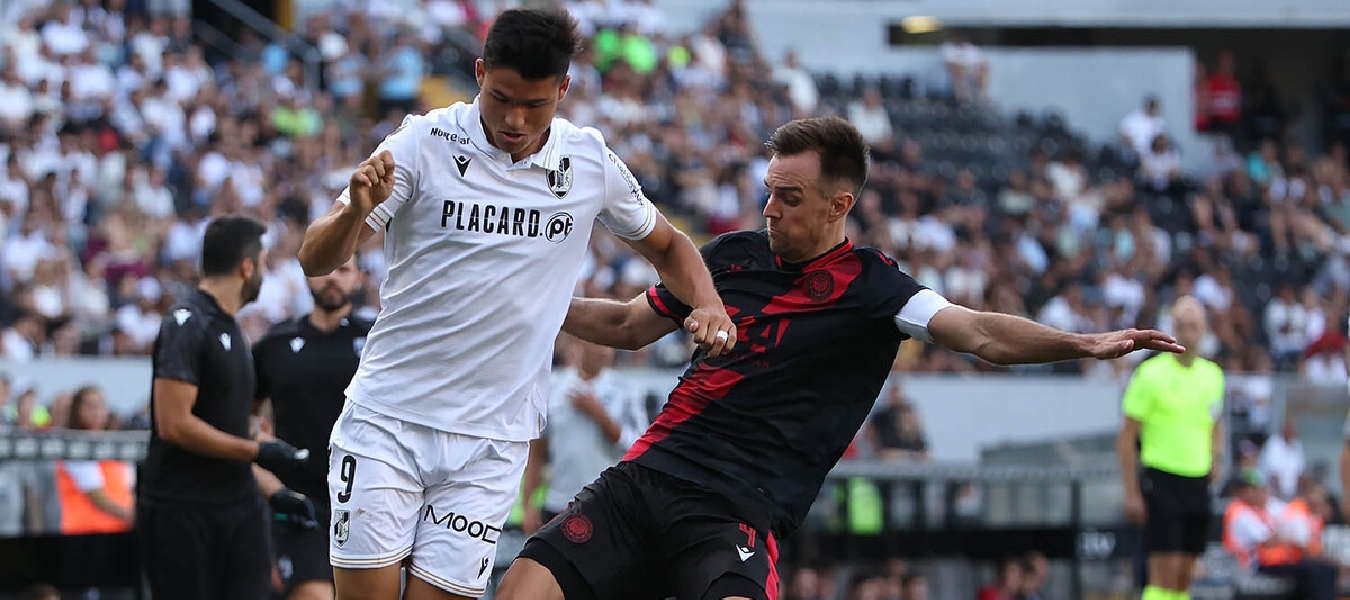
column 911, row 508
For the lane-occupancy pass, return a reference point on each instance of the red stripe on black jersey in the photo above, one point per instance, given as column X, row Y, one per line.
column 694, row 394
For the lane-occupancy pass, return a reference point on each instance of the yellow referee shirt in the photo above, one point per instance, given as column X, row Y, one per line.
column 1177, row 407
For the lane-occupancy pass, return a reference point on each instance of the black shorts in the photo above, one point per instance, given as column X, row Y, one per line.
column 205, row 552
column 302, row 555
column 638, row 534
column 1178, row 511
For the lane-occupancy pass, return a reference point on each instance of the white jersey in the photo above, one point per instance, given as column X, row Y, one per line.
column 483, row 258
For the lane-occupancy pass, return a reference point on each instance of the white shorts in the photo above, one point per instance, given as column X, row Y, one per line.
column 400, row 489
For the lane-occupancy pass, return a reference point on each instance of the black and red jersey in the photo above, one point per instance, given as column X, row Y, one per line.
column 765, row 423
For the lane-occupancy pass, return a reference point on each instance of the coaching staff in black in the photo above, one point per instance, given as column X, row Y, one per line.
column 199, row 516
column 303, row 367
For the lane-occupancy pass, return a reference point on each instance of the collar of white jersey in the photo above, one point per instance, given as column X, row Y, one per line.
column 546, row 158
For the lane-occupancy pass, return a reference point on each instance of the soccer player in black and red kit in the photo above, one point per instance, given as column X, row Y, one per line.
column 745, row 441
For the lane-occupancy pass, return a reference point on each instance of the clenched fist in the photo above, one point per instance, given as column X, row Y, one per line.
column 712, row 329
column 372, row 182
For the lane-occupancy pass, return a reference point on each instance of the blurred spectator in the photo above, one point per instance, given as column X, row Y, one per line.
column 1264, row 537
column 967, row 68
column 595, row 415
column 804, row 584
column 1140, row 127
column 914, row 587
column 866, row 586
column 1324, row 359
column 896, row 432
column 801, row 87
column 1036, row 571
column 96, row 496
column 1007, row 582
column 1286, row 324
column 1223, row 95
column 1160, row 165
column 1282, row 460
column 870, row 117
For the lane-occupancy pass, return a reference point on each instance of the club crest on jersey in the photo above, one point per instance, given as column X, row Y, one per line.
column 560, row 180
column 342, row 526
column 225, row 341
column 358, row 344
column 577, row 528
column 181, row 316
column 819, row 285
column 297, row 344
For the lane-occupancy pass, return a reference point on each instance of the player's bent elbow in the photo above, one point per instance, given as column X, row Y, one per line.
column 311, row 264
column 168, row 431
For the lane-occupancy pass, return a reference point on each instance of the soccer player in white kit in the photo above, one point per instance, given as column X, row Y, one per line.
column 487, row 210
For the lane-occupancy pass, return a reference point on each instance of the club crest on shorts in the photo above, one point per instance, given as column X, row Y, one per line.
column 577, row 528
column 560, row 180
column 342, row 526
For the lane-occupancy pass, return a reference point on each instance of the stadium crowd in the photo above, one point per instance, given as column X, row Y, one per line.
column 119, row 140
column 121, row 135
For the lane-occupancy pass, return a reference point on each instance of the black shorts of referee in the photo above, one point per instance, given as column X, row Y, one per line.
column 1179, row 512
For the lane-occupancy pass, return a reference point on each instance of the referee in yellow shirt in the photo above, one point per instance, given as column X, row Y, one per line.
column 1172, row 408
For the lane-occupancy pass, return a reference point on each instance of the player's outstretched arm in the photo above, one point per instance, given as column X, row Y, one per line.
column 1008, row 340
column 684, row 273
column 332, row 239
column 623, row 325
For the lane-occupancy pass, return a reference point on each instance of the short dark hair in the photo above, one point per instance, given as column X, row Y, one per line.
column 532, row 42
column 228, row 241
column 844, row 155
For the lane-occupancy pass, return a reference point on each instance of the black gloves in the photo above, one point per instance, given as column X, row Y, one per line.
column 293, row 509
column 275, row 455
